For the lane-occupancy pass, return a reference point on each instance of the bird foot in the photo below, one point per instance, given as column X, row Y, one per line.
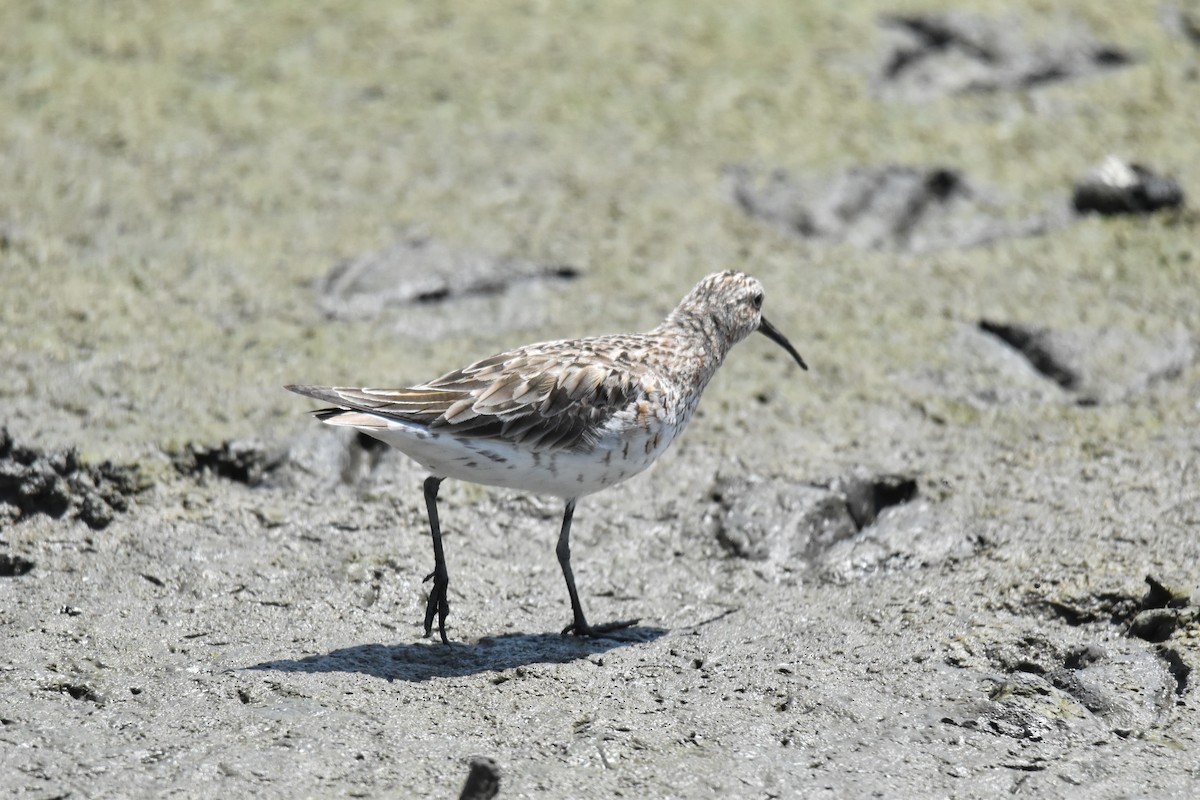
column 581, row 628
column 438, row 604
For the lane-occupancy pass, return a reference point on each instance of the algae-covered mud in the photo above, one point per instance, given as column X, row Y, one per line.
column 959, row 557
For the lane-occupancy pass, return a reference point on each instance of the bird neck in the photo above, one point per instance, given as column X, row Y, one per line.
column 700, row 343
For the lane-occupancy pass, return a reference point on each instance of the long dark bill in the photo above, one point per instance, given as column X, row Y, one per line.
column 772, row 333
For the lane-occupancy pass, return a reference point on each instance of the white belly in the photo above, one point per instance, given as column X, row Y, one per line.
column 617, row 456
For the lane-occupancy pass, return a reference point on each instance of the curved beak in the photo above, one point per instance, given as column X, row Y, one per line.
column 772, row 333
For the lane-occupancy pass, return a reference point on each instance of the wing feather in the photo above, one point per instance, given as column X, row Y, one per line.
column 546, row 397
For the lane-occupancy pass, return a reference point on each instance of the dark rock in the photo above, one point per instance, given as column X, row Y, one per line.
column 1117, row 187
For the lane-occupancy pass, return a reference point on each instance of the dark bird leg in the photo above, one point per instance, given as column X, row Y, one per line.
column 580, row 626
column 438, row 604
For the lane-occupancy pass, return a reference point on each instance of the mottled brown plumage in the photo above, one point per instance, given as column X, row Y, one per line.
column 566, row 418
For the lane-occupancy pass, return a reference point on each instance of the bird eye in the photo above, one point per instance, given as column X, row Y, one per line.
column 758, row 298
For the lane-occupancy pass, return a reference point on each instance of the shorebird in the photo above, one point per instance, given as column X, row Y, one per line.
column 565, row 418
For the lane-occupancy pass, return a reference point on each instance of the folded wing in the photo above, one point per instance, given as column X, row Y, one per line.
column 543, row 399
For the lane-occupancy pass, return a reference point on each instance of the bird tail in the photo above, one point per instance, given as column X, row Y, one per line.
column 351, row 419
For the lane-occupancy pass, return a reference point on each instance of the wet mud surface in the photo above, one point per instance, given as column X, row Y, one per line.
column 915, row 209
column 407, row 287
column 947, row 52
column 958, row 557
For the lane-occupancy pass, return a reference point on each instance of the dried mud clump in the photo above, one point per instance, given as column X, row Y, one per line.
column 1097, row 366
column 57, row 484
column 889, row 207
column 14, row 566
column 1154, row 617
column 942, row 53
column 763, row 519
column 246, row 462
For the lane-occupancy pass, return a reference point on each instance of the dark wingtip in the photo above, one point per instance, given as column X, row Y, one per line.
column 315, row 392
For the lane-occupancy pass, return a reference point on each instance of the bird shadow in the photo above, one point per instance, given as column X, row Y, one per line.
column 424, row 660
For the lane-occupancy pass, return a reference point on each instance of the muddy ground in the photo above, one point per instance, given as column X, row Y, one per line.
column 959, row 557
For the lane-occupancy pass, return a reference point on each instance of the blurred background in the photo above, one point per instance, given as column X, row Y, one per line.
column 186, row 184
